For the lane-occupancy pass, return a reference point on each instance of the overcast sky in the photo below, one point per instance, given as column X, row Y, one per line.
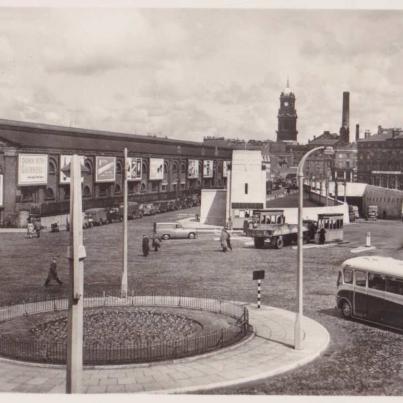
column 193, row 73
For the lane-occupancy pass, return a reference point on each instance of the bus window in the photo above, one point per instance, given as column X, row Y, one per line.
column 376, row 281
column 360, row 278
column 348, row 276
column 394, row 285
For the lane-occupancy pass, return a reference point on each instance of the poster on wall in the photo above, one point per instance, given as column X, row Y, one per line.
column 105, row 169
column 1, row 191
column 134, row 169
column 32, row 169
column 225, row 166
column 207, row 169
column 193, row 169
column 156, row 169
column 65, row 160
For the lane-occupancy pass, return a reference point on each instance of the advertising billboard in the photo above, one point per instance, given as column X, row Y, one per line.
column 193, row 169
column 32, row 169
column 134, row 169
column 1, row 191
column 225, row 166
column 105, row 169
column 207, row 169
column 156, row 169
column 65, row 160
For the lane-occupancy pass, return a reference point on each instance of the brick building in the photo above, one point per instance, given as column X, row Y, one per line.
column 380, row 158
column 32, row 156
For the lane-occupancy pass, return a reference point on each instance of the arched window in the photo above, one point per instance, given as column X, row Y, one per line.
column 143, row 187
column 52, row 167
column 117, row 188
column 118, row 168
column 88, row 166
column 183, row 168
column 174, row 168
column 49, row 194
column 144, row 169
column 86, row 191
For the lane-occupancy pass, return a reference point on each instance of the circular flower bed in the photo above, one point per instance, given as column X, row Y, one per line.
column 120, row 327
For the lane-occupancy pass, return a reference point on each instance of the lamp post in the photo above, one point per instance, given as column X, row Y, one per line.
column 124, row 268
column 300, row 175
column 76, row 255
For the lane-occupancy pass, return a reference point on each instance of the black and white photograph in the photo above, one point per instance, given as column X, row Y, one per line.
column 201, row 199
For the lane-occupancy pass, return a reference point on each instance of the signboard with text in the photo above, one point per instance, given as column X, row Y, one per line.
column 193, row 169
column 32, row 169
column 207, row 169
column 156, row 169
column 105, row 169
column 134, row 169
column 65, row 160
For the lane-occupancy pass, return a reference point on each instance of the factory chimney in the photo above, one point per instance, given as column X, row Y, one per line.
column 357, row 132
column 345, row 121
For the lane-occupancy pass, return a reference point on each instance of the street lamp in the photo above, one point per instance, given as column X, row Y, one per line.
column 300, row 176
column 76, row 255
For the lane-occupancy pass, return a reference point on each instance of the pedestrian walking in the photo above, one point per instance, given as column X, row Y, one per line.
column 52, row 275
column 38, row 228
column 146, row 245
column 225, row 240
column 30, row 230
column 322, row 235
column 156, row 242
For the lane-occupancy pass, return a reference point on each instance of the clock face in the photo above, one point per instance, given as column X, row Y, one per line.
column 285, row 103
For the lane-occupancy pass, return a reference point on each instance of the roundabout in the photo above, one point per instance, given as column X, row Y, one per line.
column 268, row 352
column 136, row 329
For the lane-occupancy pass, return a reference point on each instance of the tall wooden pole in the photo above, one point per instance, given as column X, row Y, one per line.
column 125, row 202
column 76, row 255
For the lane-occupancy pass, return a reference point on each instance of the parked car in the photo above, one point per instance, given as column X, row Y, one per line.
column 163, row 206
column 133, row 210
column 148, row 209
column 156, row 207
column 173, row 230
column 172, row 205
column 113, row 214
column 98, row 216
column 88, row 221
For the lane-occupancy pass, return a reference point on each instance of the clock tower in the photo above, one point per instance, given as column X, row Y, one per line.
column 287, row 117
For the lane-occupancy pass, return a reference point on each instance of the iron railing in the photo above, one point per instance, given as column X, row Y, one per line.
column 133, row 352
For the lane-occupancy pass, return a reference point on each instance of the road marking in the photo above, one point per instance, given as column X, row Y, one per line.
column 362, row 249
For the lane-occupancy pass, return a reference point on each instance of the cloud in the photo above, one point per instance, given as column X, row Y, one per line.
column 190, row 73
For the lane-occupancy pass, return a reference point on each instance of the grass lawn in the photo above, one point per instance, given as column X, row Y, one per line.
column 361, row 359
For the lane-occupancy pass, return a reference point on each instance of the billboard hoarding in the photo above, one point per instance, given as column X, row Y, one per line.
column 193, row 169
column 156, row 169
column 207, row 169
column 134, row 169
column 32, row 169
column 105, row 169
column 65, row 160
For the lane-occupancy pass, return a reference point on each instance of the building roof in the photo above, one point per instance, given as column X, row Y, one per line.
column 378, row 264
column 44, row 136
column 326, row 139
column 381, row 137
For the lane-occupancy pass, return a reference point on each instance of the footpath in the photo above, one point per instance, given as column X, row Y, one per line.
column 269, row 351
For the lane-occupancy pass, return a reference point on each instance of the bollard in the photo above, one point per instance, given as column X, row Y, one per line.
column 368, row 240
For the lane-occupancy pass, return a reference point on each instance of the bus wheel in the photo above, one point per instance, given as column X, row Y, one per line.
column 346, row 309
column 259, row 243
column 165, row 236
column 279, row 242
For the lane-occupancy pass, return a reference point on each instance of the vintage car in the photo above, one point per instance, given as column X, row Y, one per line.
column 173, row 230
column 97, row 215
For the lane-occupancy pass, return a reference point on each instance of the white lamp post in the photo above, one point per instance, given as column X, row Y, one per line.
column 125, row 203
column 300, row 175
column 76, row 254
